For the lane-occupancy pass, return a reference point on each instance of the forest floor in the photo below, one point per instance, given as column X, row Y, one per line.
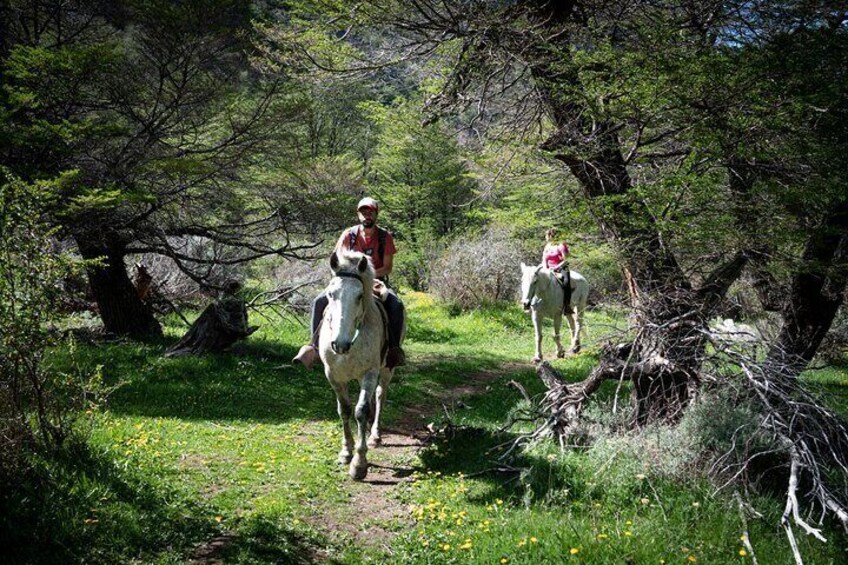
column 230, row 458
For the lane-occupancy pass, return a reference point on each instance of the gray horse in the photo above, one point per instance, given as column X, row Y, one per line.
column 351, row 344
column 542, row 295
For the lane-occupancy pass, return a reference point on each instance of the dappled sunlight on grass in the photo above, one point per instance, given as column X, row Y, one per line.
column 242, row 446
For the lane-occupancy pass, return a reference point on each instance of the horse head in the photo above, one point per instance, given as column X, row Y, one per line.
column 349, row 294
column 529, row 280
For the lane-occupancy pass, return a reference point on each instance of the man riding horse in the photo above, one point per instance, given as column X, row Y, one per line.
column 378, row 244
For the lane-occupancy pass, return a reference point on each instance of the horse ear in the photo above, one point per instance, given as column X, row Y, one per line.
column 363, row 264
column 334, row 262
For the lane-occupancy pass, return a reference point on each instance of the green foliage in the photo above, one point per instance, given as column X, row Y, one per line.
column 30, row 282
column 419, row 175
column 38, row 403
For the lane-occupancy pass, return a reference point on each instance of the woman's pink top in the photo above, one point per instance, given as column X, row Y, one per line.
column 553, row 255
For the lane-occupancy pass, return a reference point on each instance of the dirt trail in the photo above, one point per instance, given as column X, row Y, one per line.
column 376, row 498
column 391, row 466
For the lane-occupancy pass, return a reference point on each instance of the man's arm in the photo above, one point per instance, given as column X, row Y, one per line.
column 386, row 269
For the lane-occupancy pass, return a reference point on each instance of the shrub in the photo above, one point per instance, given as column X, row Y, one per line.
column 172, row 283
column 476, row 271
column 33, row 401
column 602, row 271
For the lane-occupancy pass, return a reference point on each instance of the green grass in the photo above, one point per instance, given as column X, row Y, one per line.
column 242, row 446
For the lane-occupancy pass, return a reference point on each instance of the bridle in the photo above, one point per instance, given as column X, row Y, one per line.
column 361, row 320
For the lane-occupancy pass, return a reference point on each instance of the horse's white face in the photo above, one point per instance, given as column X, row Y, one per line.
column 346, row 307
column 529, row 281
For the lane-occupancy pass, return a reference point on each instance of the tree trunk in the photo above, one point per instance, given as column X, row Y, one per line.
column 817, row 292
column 218, row 327
column 121, row 310
column 670, row 315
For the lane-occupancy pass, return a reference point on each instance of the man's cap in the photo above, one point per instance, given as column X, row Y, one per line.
column 368, row 202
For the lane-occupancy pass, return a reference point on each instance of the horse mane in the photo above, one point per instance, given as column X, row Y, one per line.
column 349, row 263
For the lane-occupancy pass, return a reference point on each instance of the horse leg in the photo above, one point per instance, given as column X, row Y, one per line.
column 575, row 338
column 359, row 463
column 557, row 335
column 537, row 326
column 578, row 328
column 345, row 412
column 374, row 440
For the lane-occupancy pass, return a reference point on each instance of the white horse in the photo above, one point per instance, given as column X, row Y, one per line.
column 542, row 295
column 351, row 344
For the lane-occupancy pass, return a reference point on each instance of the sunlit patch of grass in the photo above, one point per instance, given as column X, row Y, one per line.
column 243, row 444
column 488, row 518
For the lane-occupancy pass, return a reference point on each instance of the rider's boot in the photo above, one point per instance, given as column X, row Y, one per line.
column 307, row 356
column 395, row 357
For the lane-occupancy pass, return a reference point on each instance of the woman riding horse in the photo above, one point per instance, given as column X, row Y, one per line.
column 555, row 258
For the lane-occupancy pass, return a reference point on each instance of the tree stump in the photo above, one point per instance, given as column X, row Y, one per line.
column 218, row 327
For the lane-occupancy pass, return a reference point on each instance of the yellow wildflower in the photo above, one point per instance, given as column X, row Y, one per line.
column 574, row 551
column 743, row 553
column 504, row 560
column 628, row 533
column 692, row 559
column 446, row 547
column 466, row 545
column 534, row 540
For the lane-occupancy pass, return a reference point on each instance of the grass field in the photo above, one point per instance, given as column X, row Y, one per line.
column 235, row 454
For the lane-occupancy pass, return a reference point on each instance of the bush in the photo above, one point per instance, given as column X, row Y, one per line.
column 34, row 402
column 413, row 265
column 477, row 271
column 172, row 283
column 602, row 271
column 834, row 348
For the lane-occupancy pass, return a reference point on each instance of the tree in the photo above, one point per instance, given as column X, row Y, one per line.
column 422, row 181
column 155, row 109
column 671, row 121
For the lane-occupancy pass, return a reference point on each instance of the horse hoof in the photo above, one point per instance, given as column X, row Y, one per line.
column 344, row 457
column 358, row 473
column 537, row 360
column 560, row 354
column 375, row 441
column 574, row 350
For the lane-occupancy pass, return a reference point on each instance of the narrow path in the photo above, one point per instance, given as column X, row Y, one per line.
column 374, row 514
column 376, row 498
